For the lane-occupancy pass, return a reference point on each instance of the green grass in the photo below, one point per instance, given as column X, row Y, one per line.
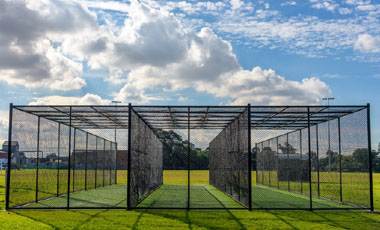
column 182, row 219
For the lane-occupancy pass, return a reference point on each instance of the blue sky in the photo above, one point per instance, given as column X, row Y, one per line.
column 193, row 53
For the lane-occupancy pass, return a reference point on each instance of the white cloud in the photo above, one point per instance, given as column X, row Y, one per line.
column 267, row 87
column 328, row 5
column 236, row 4
column 28, row 31
column 367, row 43
column 87, row 99
column 289, row 3
column 344, row 11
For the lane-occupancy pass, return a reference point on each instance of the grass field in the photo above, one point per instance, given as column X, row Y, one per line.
column 182, row 219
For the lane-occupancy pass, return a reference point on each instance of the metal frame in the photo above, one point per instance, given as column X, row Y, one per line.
column 183, row 117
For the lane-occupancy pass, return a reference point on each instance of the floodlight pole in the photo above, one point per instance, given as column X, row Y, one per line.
column 328, row 99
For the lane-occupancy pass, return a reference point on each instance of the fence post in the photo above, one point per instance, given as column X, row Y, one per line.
column 370, row 157
column 115, row 163
column 85, row 167
column 249, row 160
column 188, row 158
column 129, row 156
column 340, row 162
column 257, row 176
column 9, row 156
column 38, row 152
column 104, row 159
column 75, row 134
column 287, row 162
column 278, row 182
column 318, row 186
column 309, row 150
column 58, row 153
column 69, row 165
column 96, row 161
column 301, row 160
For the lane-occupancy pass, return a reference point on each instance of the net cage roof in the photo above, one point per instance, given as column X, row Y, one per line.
column 194, row 117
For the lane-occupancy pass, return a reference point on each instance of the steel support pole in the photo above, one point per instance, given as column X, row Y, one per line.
column 104, row 160
column 9, row 156
column 370, row 157
column 115, row 163
column 301, row 159
column 317, row 133
column 85, row 167
column 75, row 134
column 257, row 175
column 129, row 156
column 287, row 160
column 278, row 182
column 96, row 161
column 59, row 157
column 249, row 160
column 38, row 152
column 309, row 148
column 340, row 162
column 188, row 158
column 69, row 165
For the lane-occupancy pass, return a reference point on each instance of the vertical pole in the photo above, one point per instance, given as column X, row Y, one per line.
column 104, row 159
column 110, row 161
column 96, row 161
column 188, row 158
column 59, row 157
column 9, row 156
column 318, row 161
column 309, row 150
column 38, row 152
column 370, row 157
column 340, row 162
column 287, row 161
column 301, row 161
column 249, row 160
column 85, row 169
column 69, row 166
column 115, row 163
column 75, row 133
column 278, row 182
column 129, row 156
column 257, row 176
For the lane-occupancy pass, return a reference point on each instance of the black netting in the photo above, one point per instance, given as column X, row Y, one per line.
column 190, row 157
column 229, row 160
column 338, row 159
column 146, row 172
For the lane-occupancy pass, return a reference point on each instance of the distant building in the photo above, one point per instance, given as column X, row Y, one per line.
column 3, row 158
column 18, row 157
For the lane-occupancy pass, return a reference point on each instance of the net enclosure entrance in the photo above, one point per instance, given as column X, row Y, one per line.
column 189, row 157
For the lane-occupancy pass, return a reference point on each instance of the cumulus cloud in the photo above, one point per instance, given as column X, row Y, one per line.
column 151, row 50
column 264, row 87
column 28, row 31
column 87, row 99
column 367, row 43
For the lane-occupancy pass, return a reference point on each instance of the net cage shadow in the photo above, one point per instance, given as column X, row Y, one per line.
column 189, row 157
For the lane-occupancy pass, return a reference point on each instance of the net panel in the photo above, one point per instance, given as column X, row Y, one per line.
column 355, row 159
column 47, row 157
column 146, row 160
column 91, row 161
column 24, row 158
column 99, row 162
column 229, row 160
